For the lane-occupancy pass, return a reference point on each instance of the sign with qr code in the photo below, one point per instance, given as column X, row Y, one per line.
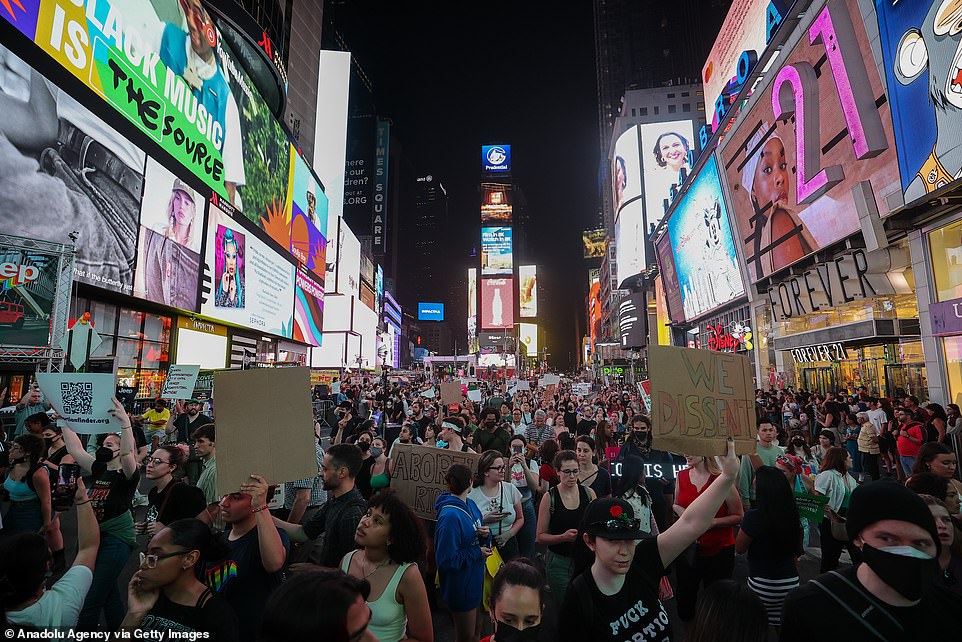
column 83, row 400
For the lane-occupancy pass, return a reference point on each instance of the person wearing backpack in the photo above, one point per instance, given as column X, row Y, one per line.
column 559, row 516
column 28, row 488
column 891, row 594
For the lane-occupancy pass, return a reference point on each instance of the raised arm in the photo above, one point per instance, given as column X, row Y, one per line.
column 269, row 542
column 699, row 515
column 88, row 531
column 77, row 450
column 128, row 445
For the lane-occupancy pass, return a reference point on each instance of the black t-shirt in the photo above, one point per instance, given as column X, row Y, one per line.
column 185, row 501
column 767, row 557
column 110, row 491
column 241, row 580
column 214, row 617
column 184, row 427
column 584, row 427
column 632, row 614
column 931, row 619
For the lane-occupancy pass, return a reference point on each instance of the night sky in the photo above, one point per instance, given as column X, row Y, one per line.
column 452, row 76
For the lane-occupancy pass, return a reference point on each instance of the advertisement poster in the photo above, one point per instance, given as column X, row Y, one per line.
column 496, row 251
column 472, row 303
column 630, row 234
column 919, row 55
column 299, row 226
column 497, row 304
column 595, row 243
column 308, row 309
column 430, row 311
column 28, row 288
column 786, row 209
column 106, row 228
column 171, row 230
column 252, row 285
column 528, row 335
column 669, row 278
column 528, row 290
column 626, row 170
column 496, row 159
column 705, row 260
column 594, row 313
column 174, row 78
column 664, row 151
column 495, row 203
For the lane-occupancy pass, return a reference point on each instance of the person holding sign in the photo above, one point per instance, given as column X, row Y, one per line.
column 616, row 597
column 114, row 479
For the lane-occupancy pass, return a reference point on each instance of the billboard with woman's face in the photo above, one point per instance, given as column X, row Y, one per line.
column 809, row 139
column 626, row 170
column 665, row 148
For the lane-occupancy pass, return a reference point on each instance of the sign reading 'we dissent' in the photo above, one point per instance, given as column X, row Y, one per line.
column 699, row 398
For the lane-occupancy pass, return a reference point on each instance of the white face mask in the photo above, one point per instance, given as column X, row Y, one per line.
column 906, row 551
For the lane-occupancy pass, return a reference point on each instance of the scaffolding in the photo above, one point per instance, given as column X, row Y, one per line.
column 50, row 357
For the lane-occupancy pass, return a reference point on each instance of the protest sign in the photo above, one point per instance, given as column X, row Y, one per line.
column 418, row 473
column 699, row 398
column 550, row 380
column 523, row 385
column 335, row 387
column 450, row 392
column 429, row 393
column 474, row 395
column 644, row 387
column 180, row 382
column 82, row 400
column 265, row 426
column 581, row 389
column 810, row 506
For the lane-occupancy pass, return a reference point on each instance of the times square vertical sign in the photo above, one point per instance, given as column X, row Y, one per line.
column 378, row 223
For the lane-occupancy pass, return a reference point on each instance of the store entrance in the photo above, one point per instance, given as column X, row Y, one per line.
column 903, row 379
column 818, row 379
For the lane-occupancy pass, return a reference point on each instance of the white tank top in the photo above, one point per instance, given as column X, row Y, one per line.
column 388, row 618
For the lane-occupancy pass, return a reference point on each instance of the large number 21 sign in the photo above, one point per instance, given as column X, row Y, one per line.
column 795, row 93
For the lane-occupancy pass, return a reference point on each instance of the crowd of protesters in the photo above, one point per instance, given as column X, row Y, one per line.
column 571, row 525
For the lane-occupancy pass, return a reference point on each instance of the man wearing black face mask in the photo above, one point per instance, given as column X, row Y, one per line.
column 891, row 594
column 661, row 489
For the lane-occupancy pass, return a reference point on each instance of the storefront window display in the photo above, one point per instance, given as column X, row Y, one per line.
column 946, row 248
column 135, row 344
column 889, row 370
column 898, row 306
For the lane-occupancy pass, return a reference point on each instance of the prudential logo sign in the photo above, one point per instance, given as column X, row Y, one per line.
column 496, row 159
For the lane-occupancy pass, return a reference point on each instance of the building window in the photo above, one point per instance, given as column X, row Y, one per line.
column 671, row 95
column 685, row 94
column 686, row 108
column 644, row 111
column 672, row 109
column 701, row 107
column 632, row 112
column 656, row 110
column 946, row 250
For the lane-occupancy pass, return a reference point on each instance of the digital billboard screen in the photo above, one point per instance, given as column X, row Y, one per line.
column 496, row 159
column 497, row 303
column 28, row 289
column 630, row 235
column 595, row 243
column 303, row 227
column 528, row 290
column 251, row 284
column 669, row 278
column 430, row 311
column 496, row 251
column 171, row 231
column 664, row 148
column 495, row 203
column 701, row 238
column 786, row 209
column 632, row 318
column 626, row 170
column 528, row 336
column 308, row 309
column 472, row 303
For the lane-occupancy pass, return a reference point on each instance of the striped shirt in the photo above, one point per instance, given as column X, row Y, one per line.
column 316, row 484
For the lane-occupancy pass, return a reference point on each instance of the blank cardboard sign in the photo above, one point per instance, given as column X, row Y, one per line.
column 699, row 398
column 265, row 426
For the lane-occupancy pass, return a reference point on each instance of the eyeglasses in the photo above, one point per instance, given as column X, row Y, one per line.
column 150, row 559
column 570, row 473
column 497, row 468
column 621, row 524
column 156, row 461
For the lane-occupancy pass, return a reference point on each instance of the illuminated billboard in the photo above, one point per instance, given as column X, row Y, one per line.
column 430, row 311
column 28, row 282
column 664, row 149
column 528, row 336
column 669, row 278
column 626, row 170
column 348, row 269
column 497, row 304
column 632, row 319
column 595, row 243
column 704, row 252
column 308, row 308
column 330, row 128
column 793, row 191
column 496, row 159
column 528, row 290
column 496, row 251
column 746, row 29
column 594, row 313
column 472, row 304
column 251, row 284
column 303, row 227
column 630, row 235
column 495, row 203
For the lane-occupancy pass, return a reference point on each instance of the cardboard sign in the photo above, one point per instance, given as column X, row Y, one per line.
column 450, row 392
column 180, row 382
column 523, row 385
column 699, row 398
column 82, row 400
column 810, row 506
column 474, row 395
column 265, row 426
column 418, row 474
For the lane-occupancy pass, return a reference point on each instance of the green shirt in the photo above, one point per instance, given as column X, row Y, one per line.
column 208, row 481
column 497, row 440
column 768, row 455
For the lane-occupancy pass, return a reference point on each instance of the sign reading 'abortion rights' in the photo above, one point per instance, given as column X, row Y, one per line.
column 418, row 474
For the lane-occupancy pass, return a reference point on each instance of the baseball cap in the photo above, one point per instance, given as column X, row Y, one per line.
column 181, row 186
column 612, row 518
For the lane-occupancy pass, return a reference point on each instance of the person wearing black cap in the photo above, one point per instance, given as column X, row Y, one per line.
column 616, row 597
column 187, row 419
column 890, row 595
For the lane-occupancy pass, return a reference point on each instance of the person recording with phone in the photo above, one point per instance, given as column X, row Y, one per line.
column 499, row 501
column 525, row 478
